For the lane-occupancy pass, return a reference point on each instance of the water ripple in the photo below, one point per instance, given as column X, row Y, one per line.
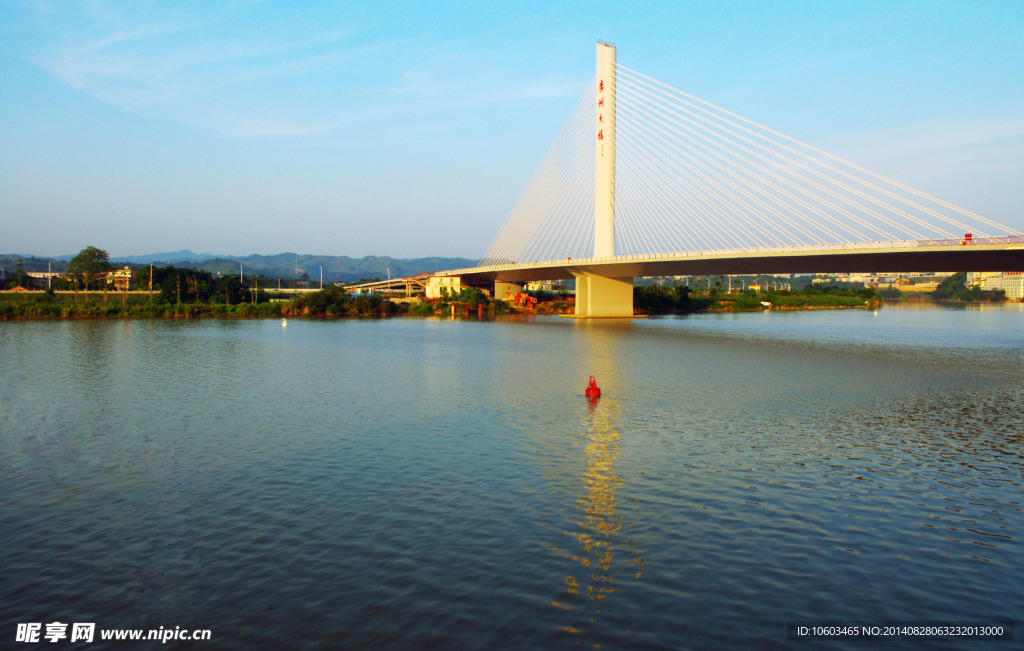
column 444, row 484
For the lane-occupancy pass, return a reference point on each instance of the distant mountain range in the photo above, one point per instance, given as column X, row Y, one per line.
column 177, row 258
column 281, row 265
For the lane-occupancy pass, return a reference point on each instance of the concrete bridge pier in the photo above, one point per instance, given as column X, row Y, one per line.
column 601, row 296
column 604, row 296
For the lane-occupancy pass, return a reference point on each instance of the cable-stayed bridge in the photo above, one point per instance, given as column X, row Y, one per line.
column 646, row 180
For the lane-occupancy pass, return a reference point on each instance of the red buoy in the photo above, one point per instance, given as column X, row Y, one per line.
column 593, row 391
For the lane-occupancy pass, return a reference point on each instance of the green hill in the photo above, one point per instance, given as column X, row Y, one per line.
column 282, row 265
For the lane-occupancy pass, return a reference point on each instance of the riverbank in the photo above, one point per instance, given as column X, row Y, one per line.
column 334, row 303
column 330, row 302
column 97, row 306
column 662, row 300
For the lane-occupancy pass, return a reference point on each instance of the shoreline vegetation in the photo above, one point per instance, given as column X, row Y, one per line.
column 330, row 302
column 652, row 299
column 335, row 302
column 92, row 289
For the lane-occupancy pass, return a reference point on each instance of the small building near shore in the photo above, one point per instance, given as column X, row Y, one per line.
column 122, row 279
column 451, row 284
column 45, row 275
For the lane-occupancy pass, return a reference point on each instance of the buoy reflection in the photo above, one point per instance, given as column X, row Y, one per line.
column 596, row 533
column 600, row 549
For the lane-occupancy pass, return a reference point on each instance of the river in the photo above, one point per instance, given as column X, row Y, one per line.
column 415, row 483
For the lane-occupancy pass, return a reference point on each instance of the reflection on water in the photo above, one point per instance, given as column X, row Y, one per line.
column 601, row 549
column 989, row 307
column 601, row 521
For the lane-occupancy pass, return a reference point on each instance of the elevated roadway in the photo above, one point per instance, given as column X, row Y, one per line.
column 983, row 254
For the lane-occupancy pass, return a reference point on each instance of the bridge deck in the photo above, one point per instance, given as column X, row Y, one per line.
column 988, row 254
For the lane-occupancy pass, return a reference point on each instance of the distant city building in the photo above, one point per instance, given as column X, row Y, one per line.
column 907, row 282
column 1011, row 282
column 544, row 286
column 975, row 278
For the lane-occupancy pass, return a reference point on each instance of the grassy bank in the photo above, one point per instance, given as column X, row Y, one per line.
column 330, row 302
column 45, row 306
column 334, row 302
column 653, row 299
column 790, row 301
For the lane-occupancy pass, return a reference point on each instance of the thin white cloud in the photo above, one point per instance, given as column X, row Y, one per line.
column 540, row 89
column 914, row 141
column 190, row 69
column 201, row 70
column 252, row 126
column 976, row 166
column 452, row 92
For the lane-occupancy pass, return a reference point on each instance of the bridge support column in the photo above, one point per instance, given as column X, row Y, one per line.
column 600, row 296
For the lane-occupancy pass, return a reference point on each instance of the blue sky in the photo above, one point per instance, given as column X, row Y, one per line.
column 410, row 129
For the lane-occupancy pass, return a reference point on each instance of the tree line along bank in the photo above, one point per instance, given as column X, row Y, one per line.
column 89, row 289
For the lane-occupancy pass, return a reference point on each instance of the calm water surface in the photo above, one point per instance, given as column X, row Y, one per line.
column 431, row 483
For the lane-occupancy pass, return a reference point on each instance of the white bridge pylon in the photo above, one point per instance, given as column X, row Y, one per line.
column 689, row 176
column 641, row 169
